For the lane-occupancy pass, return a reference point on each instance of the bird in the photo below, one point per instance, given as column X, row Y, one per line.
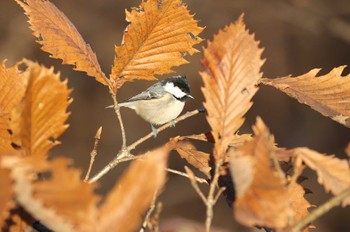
column 162, row 102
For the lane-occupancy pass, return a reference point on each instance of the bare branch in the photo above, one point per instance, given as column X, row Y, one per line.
column 194, row 183
column 149, row 213
column 93, row 153
column 124, row 154
column 322, row 209
column 198, row 179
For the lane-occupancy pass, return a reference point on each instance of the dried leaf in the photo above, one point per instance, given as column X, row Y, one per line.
column 232, row 69
column 6, row 195
column 347, row 150
column 130, row 198
column 12, row 83
column 189, row 152
column 19, row 221
column 159, row 34
column 60, row 38
column 299, row 204
column 333, row 173
column 40, row 118
column 328, row 94
column 261, row 196
column 60, row 199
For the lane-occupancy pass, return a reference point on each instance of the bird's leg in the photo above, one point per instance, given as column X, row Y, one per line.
column 155, row 131
column 172, row 123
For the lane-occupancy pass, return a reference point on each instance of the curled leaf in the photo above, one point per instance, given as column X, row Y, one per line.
column 159, row 34
column 60, row 38
column 189, row 152
column 328, row 94
column 232, row 65
column 40, row 118
column 261, row 195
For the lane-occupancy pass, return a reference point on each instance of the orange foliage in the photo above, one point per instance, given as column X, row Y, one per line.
column 232, row 69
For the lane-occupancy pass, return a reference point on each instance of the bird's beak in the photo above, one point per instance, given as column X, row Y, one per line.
column 190, row 96
column 109, row 107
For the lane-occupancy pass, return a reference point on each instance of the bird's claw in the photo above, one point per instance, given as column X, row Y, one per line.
column 172, row 123
column 154, row 131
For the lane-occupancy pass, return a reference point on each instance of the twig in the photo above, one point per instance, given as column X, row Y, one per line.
column 165, row 126
column 124, row 154
column 112, row 164
column 93, row 153
column 117, row 111
column 298, row 168
column 211, row 198
column 324, row 208
column 277, row 165
column 149, row 213
column 198, row 179
column 195, row 185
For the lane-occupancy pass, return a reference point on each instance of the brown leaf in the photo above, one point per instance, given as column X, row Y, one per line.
column 60, row 38
column 299, row 204
column 261, row 196
column 333, row 173
column 129, row 199
column 40, row 118
column 159, row 34
column 232, row 69
column 59, row 199
column 189, row 152
column 13, row 83
column 6, row 195
column 328, row 94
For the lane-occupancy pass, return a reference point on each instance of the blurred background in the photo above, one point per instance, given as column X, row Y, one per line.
column 297, row 35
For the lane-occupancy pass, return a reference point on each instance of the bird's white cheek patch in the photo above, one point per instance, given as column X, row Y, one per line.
column 174, row 90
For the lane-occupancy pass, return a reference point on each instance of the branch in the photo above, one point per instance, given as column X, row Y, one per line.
column 124, row 154
column 324, row 208
column 117, row 112
column 149, row 213
column 198, row 179
column 93, row 153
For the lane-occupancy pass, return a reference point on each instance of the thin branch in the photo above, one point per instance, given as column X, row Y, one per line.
column 218, row 194
column 165, row 126
column 149, row 212
column 117, row 112
column 211, row 198
column 277, row 165
column 124, row 154
column 195, row 185
column 112, row 164
column 198, row 179
column 93, row 153
column 324, row 208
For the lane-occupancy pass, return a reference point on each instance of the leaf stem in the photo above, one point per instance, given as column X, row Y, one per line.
column 119, row 116
column 324, row 208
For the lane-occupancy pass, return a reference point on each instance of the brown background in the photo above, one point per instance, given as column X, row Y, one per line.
column 297, row 35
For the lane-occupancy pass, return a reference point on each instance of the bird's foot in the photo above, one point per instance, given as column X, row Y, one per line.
column 172, row 123
column 154, row 131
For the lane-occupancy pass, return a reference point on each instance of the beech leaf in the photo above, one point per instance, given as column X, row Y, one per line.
column 60, row 38
column 159, row 34
column 189, row 152
column 232, row 65
column 6, row 195
column 130, row 198
column 40, row 118
column 13, row 83
column 333, row 173
column 61, row 200
column 262, row 198
column 328, row 94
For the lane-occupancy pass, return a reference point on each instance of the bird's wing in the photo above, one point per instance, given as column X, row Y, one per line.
column 152, row 92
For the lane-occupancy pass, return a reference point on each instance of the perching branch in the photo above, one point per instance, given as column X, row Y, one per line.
column 93, row 153
column 124, row 154
column 324, row 208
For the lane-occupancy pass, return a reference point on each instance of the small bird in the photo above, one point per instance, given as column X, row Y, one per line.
column 162, row 102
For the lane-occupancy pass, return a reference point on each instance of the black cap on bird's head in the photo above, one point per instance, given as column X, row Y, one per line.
column 178, row 86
